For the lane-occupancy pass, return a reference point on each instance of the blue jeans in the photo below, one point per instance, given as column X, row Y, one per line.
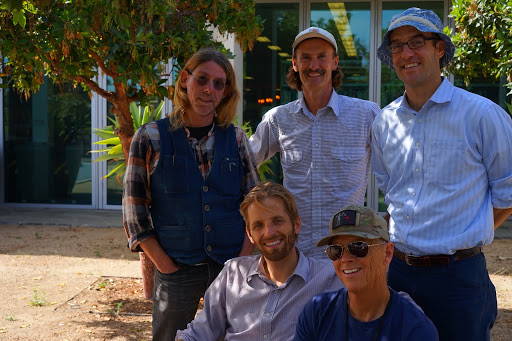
column 459, row 298
column 176, row 297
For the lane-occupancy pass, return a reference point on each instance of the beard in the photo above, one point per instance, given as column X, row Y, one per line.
column 277, row 254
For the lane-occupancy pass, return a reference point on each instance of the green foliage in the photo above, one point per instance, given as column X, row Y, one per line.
column 483, row 38
column 128, row 39
column 38, row 300
column 116, row 308
column 265, row 168
column 103, row 284
column 113, row 151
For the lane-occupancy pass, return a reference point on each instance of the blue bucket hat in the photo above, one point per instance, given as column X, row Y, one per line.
column 424, row 21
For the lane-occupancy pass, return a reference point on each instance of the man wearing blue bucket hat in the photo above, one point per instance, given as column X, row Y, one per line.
column 442, row 157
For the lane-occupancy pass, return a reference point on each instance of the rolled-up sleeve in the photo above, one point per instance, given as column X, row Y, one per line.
column 250, row 176
column 265, row 141
column 496, row 142
column 136, row 190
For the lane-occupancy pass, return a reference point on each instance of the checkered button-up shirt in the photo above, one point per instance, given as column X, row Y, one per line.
column 325, row 158
column 142, row 162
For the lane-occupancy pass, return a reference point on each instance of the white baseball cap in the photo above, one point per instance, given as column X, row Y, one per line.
column 314, row 32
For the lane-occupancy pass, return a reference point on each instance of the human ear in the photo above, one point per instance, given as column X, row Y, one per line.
column 183, row 79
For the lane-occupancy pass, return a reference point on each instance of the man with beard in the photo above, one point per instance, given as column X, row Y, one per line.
column 260, row 297
column 323, row 138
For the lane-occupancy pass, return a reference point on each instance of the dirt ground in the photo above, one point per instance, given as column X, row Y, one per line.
column 63, row 283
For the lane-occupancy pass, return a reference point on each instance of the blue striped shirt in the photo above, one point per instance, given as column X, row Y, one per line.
column 243, row 303
column 325, row 158
column 443, row 169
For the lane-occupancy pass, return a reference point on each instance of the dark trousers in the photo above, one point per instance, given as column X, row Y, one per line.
column 459, row 298
column 176, row 297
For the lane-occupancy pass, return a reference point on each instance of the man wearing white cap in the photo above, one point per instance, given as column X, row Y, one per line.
column 442, row 156
column 324, row 138
column 366, row 309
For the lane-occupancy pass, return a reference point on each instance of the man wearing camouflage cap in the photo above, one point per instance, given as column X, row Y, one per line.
column 359, row 247
column 441, row 156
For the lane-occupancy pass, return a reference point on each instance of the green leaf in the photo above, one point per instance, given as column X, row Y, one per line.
column 114, row 140
column 19, row 18
column 117, row 149
column 104, row 157
column 121, row 167
column 102, row 150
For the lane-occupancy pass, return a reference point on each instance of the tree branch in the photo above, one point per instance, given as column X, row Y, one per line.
column 108, row 95
column 102, row 65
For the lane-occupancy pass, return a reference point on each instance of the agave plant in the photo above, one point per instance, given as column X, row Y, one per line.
column 265, row 166
column 114, row 151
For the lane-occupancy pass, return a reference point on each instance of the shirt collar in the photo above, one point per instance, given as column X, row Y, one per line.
column 210, row 132
column 443, row 94
column 301, row 270
column 332, row 104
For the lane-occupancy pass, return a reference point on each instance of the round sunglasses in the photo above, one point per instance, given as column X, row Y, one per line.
column 359, row 249
column 202, row 81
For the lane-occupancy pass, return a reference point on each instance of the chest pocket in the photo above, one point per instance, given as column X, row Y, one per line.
column 444, row 162
column 230, row 171
column 173, row 177
column 348, row 153
column 348, row 163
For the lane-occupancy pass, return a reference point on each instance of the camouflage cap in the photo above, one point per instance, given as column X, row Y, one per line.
column 356, row 220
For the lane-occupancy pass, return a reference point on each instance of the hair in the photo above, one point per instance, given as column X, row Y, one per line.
column 264, row 190
column 293, row 77
column 226, row 110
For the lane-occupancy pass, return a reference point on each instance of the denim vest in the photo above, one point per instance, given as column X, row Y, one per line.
column 195, row 218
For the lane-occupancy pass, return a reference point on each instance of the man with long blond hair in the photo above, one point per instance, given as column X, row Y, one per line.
column 185, row 179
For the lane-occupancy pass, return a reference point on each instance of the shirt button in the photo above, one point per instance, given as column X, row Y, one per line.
column 208, row 228
column 417, row 144
column 419, row 120
column 205, row 188
column 265, row 336
column 209, row 248
column 206, row 208
column 414, row 194
column 268, row 314
column 408, row 217
column 417, row 170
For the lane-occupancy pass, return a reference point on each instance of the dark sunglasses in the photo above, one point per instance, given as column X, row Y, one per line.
column 358, row 249
column 202, row 81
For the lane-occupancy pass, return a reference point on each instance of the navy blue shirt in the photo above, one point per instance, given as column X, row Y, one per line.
column 323, row 318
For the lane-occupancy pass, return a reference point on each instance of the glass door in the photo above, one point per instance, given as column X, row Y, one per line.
column 350, row 23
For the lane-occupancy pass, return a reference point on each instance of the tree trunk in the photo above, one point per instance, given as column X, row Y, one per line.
column 121, row 108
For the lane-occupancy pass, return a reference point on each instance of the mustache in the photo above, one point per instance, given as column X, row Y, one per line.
column 320, row 71
column 271, row 238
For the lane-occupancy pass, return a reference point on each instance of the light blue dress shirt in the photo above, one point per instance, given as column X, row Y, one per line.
column 443, row 169
column 325, row 158
column 243, row 303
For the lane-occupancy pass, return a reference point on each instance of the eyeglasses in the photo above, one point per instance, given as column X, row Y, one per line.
column 202, row 81
column 414, row 43
column 358, row 249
